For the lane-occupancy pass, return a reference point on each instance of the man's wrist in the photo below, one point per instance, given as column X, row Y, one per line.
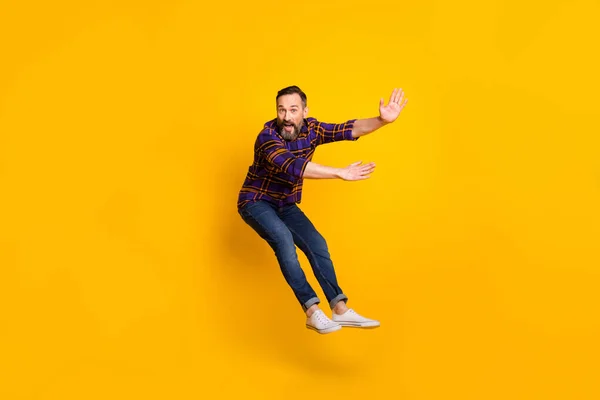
column 337, row 173
column 382, row 121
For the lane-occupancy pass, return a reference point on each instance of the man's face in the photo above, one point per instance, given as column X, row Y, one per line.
column 290, row 115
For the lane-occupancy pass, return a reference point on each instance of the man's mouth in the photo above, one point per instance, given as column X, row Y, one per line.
column 288, row 127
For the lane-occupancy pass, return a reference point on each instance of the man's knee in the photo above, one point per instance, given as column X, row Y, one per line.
column 318, row 245
column 283, row 242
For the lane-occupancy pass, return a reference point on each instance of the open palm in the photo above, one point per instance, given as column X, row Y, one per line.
column 392, row 110
column 357, row 171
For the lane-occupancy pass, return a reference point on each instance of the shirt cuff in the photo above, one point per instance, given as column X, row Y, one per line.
column 298, row 167
column 349, row 125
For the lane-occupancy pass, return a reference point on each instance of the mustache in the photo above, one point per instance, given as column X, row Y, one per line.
column 288, row 135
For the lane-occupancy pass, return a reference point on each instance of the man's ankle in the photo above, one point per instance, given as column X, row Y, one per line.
column 310, row 310
column 340, row 307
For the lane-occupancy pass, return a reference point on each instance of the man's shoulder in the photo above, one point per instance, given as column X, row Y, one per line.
column 268, row 133
column 269, row 128
column 270, row 125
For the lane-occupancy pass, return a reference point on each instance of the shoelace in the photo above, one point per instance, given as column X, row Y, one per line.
column 321, row 317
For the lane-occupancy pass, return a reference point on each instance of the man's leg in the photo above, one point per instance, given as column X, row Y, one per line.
column 313, row 244
column 262, row 217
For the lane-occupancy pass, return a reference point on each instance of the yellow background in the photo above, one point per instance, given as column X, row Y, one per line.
column 126, row 129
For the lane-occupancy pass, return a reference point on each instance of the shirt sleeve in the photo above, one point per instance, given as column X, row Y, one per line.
column 275, row 152
column 328, row 133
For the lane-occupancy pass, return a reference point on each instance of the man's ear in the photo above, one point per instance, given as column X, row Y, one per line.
column 305, row 111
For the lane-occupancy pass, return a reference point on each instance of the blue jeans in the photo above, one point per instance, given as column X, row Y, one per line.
column 284, row 228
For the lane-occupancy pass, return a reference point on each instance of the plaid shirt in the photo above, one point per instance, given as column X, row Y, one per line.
column 278, row 167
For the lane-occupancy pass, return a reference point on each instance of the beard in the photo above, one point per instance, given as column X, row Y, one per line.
column 286, row 134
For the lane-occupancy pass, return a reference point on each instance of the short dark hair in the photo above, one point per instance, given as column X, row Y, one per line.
column 292, row 90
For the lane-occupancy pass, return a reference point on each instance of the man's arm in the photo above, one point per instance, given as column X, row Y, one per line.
column 353, row 172
column 367, row 125
column 387, row 114
column 328, row 132
column 281, row 158
column 276, row 154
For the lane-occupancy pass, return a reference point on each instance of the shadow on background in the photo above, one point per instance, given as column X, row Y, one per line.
column 258, row 313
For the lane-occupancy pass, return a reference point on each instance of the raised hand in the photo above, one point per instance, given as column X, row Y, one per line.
column 356, row 171
column 388, row 113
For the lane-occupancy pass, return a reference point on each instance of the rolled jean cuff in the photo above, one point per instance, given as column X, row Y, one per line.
column 337, row 299
column 310, row 302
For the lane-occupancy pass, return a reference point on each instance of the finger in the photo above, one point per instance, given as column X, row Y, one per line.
column 356, row 164
column 399, row 96
column 381, row 102
column 403, row 104
column 393, row 95
column 366, row 170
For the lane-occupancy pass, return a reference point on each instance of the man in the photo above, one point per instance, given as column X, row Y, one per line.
column 268, row 199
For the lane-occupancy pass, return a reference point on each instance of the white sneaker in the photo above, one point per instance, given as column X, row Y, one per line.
column 319, row 322
column 352, row 319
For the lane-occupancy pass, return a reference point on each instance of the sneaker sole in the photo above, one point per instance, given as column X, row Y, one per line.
column 324, row 331
column 366, row 325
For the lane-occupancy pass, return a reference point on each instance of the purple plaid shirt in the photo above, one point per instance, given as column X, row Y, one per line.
column 278, row 167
